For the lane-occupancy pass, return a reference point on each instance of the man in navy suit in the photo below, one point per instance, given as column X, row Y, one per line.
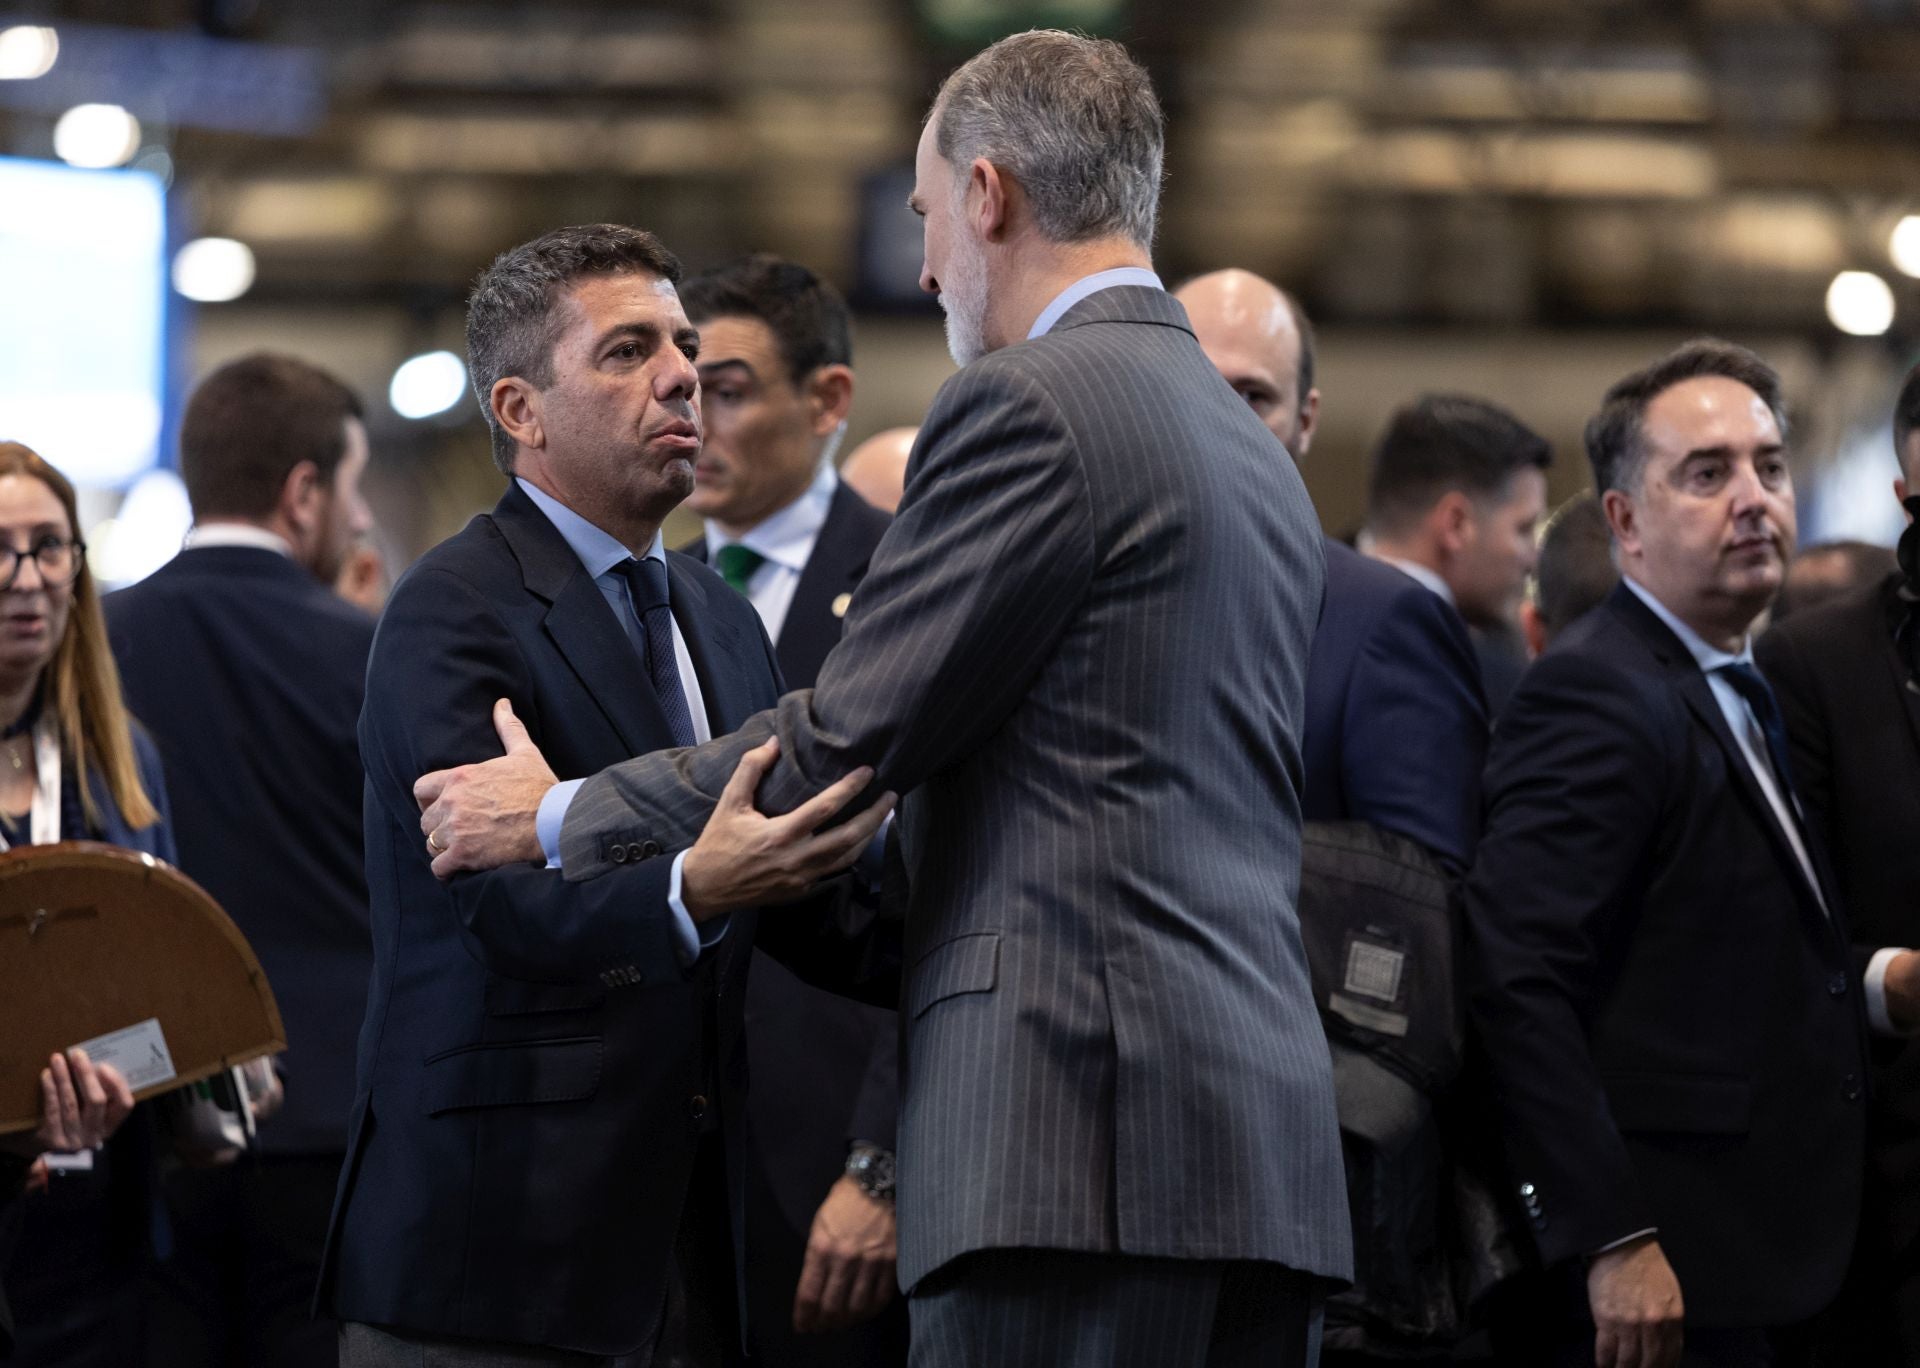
column 776, row 384
column 1396, row 727
column 1658, row 963
column 248, row 670
column 545, row 1159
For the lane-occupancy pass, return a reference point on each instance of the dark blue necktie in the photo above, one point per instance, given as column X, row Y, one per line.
column 647, row 582
column 1753, row 687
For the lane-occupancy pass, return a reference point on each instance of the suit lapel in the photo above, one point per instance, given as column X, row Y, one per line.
column 716, row 647
column 839, row 560
column 1905, row 688
column 582, row 626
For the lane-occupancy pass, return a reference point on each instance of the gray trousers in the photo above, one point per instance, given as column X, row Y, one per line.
column 369, row 1346
column 1048, row 1308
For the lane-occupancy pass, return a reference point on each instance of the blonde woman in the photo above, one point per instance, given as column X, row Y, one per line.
column 72, row 767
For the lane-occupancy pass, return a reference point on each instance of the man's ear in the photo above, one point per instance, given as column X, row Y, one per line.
column 1309, row 420
column 1623, row 519
column 1900, row 494
column 829, row 398
column 303, row 498
column 516, row 408
column 1533, row 627
column 987, row 200
column 1454, row 521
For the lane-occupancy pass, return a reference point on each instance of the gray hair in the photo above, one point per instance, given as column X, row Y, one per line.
column 1074, row 120
column 511, row 323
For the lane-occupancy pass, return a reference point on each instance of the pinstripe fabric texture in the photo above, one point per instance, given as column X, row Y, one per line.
column 1048, row 1308
column 1080, row 653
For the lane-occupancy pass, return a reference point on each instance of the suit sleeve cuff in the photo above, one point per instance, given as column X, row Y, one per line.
column 1874, row 982
column 552, row 814
column 690, row 939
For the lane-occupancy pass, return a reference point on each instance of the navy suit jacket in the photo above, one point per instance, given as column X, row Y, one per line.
column 1674, row 1035
column 1396, row 727
column 249, row 674
column 531, row 1086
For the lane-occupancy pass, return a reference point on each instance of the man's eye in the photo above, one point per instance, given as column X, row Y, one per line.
column 626, row 351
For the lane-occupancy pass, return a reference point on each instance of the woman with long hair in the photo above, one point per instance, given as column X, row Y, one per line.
column 72, row 768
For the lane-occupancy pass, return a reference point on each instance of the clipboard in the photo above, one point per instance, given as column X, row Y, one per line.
column 103, row 944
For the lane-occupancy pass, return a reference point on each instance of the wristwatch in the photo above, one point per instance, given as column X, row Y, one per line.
column 871, row 1169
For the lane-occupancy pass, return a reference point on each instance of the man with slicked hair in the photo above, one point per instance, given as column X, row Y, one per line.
column 1080, row 650
column 1656, row 949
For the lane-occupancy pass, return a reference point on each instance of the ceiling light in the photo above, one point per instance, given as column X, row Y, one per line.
column 1860, row 303
column 26, row 52
column 428, row 384
column 1904, row 245
column 96, row 136
column 213, row 270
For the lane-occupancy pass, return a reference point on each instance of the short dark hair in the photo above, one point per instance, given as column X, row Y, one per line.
column 1303, row 370
column 807, row 316
column 510, row 314
column 1444, row 442
column 1906, row 422
column 1576, row 569
column 250, row 422
column 1616, row 435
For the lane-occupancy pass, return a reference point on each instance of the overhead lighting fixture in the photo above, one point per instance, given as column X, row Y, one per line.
column 1860, row 303
column 1904, row 245
column 213, row 270
column 27, row 53
column 428, row 384
column 96, row 136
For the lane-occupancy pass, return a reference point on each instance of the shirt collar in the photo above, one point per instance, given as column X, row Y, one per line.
column 1708, row 657
column 237, row 534
column 787, row 537
column 599, row 550
column 1420, row 574
column 1086, row 285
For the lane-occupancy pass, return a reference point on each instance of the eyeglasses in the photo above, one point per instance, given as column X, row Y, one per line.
column 58, row 559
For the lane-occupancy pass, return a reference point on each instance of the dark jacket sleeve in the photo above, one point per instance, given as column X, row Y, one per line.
column 1415, row 729
column 963, row 603
column 441, row 658
column 1574, row 791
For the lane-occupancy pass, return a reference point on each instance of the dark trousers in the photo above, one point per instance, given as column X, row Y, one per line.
column 236, row 1290
column 702, row 1324
column 1046, row 1308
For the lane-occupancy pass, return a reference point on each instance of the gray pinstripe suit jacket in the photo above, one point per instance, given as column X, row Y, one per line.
column 1080, row 653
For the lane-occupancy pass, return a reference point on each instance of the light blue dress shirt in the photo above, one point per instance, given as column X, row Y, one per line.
column 600, row 552
column 1086, row 285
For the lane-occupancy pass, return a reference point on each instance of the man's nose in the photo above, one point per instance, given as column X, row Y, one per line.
column 927, row 282
column 677, row 379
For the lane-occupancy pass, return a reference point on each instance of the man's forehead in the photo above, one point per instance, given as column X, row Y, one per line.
column 1709, row 410
column 641, row 291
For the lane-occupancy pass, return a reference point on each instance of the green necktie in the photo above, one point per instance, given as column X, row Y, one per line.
column 737, row 563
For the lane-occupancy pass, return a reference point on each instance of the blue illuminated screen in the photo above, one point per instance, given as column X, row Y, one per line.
column 83, row 317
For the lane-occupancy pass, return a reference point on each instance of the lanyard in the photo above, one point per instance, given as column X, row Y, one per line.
column 43, row 824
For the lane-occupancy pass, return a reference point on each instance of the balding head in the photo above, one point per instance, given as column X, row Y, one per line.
column 876, row 470
column 1257, row 337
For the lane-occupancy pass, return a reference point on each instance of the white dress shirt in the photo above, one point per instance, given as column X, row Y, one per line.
column 601, row 553
column 236, row 534
column 785, row 541
column 1086, row 285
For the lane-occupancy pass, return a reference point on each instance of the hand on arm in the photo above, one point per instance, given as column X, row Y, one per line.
column 1637, row 1310
column 1900, row 986
column 848, row 1273
column 744, row 859
column 483, row 816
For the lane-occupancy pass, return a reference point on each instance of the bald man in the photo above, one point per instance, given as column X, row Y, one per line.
column 1396, row 726
column 876, row 470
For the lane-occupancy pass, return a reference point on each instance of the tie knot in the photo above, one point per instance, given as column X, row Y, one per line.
column 646, row 581
column 736, row 564
column 1749, row 683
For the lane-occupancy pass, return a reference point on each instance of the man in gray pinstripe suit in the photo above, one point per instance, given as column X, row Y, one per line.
column 1080, row 649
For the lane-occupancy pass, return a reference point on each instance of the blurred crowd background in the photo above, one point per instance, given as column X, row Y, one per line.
column 1512, row 198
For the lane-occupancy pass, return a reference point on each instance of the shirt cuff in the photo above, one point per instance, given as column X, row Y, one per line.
column 1875, row 983
column 552, row 815
column 1612, row 1245
column 691, row 939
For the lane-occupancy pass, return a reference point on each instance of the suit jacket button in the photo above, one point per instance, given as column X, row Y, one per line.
column 1837, row 985
column 697, row 1106
column 1850, row 1087
column 618, row 854
column 649, row 849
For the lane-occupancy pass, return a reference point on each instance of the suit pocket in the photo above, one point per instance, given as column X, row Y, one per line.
column 516, row 997
column 1680, row 1104
column 965, row 964
column 513, row 1073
